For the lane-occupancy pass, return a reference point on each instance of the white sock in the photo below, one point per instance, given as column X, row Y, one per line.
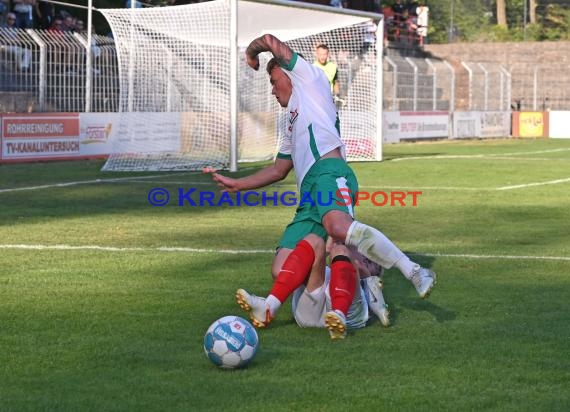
column 406, row 266
column 377, row 247
column 273, row 303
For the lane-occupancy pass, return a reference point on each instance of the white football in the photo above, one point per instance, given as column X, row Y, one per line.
column 231, row 342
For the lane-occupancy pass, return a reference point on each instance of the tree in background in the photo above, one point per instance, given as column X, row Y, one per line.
column 501, row 13
column 499, row 20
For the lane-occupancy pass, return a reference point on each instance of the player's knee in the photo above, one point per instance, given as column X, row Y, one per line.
column 274, row 272
column 317, row 243
column 278, row 260
column 336, row 223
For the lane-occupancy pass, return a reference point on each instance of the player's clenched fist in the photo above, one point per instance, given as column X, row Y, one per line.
column 252, row 61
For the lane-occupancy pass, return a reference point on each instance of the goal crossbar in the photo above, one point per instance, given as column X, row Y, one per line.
column 168, row 59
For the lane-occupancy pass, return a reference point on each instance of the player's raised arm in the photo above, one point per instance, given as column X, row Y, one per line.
column 268, row 42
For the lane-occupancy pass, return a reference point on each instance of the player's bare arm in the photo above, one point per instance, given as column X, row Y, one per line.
column 266, row 176
column 267, row 42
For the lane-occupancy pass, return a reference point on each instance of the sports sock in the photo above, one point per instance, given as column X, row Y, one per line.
column 406, row 266
column 273, row 303
column 377, row 247
column 342, row 284
column 294, row 271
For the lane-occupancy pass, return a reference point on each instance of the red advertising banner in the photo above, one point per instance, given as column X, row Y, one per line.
column 40, row 136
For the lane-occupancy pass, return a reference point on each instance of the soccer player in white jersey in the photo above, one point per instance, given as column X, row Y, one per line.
column 312, row 145
column 312, row 300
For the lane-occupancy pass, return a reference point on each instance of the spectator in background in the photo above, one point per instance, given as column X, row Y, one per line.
column 79, row 26
column 68, row 24
column 24, row 11
column 4, row 8
column 10, row 21
column 398, row 9
column 56, row 25
column 422, row 21
column 369, row 38
column 21, row 55
column 411, row 6
column 411, row 26
column 128, row 5
column 45, row 12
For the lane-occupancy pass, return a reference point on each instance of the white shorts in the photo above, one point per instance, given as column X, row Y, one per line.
column 309, row 309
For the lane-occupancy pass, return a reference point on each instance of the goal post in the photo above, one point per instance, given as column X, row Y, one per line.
column 182, row 71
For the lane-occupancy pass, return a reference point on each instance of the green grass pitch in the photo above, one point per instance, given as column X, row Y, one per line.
column 104, row 299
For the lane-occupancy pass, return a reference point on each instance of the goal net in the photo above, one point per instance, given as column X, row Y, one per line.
column 175, row 68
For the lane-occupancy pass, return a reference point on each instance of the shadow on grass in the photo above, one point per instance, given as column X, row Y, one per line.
column 399, row 298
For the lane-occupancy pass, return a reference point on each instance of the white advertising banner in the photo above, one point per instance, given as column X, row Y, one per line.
column 495, row 124
column 414, row 125
column 95, row 133
column 105, row 133
column 466, row 125
column 481, row 124
column 559, row 125
column 146, row 132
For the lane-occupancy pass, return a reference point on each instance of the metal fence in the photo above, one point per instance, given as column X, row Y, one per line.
column 414, row 84
column 541, row 87
column 417, row 84
column 45, row 71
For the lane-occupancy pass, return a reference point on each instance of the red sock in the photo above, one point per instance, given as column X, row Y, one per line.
column 295, row 270
column 342, row 285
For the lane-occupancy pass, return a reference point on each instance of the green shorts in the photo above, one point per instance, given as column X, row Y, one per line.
column 329, row 185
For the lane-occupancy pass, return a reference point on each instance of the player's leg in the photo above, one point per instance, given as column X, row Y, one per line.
column 297, row 263
column 372, row 286
column 307, row 257
column 335, row 179
column 377, row 247
column 342, row 288
column 370, row 274
column 308, row 302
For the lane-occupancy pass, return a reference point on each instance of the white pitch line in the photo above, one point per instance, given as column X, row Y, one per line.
column 143, row 179
column 408, row 188
column 389, row 187
column 550, row 182
column 470, row 256
column 134, row 179
column 189, row 184
column 248, row 251
column 166, row 182
column 80, row 182
column 136, row 249
column 498, row 156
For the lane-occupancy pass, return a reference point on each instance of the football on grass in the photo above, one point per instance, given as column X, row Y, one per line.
column 231, row 342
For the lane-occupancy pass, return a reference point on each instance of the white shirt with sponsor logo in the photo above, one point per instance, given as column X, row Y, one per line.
column 311, row 127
